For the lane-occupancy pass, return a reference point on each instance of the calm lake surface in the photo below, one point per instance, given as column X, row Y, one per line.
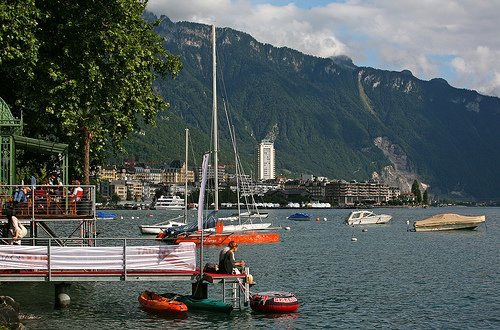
column 388, row 278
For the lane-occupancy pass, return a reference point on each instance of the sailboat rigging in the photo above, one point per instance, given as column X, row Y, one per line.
column 207, row 234
column 180, row 220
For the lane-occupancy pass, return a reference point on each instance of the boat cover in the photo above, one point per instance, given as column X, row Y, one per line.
column 444, row 218
column 192, row 227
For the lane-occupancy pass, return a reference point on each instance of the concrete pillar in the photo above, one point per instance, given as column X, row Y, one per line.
column 62, row 298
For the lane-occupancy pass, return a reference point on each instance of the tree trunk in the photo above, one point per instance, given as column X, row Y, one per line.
column 87, row 138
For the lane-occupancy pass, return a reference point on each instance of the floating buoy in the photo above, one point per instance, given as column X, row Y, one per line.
column 133, row 218
column 325, row 219
column 354, row 239
column 364, row 230
column 287, row 228
column 317, row 219
column 121, row 217
column 274, row 302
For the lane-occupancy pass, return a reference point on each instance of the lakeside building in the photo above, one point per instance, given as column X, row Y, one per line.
column 221, row 173
column 141, row 183
column 265, row 161
column 349, row 193
column 176, row 173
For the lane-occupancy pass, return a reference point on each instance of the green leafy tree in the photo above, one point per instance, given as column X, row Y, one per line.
column 415, row 189
column 18, row 47
column 425, row 197
column 95, row 67
column 115, row 199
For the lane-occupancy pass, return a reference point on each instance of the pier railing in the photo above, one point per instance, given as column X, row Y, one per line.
column 48, row 201
column 123, row 261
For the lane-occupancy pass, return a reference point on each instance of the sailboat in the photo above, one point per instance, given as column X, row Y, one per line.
column 246, row 232
column 180, row 220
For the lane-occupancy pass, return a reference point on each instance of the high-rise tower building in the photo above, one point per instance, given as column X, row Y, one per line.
column 265, row 161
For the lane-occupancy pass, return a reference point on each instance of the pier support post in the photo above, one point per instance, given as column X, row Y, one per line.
column 62, row 298
column 200, row 290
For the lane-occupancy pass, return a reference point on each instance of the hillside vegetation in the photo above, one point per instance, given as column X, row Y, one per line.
column 326, row 115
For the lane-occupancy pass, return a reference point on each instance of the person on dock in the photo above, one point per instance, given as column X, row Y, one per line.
column 14, row 227
column 223, row 252
column 228, row 265
column 78, row 191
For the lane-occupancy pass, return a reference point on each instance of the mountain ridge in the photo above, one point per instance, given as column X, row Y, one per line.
column 328, row 114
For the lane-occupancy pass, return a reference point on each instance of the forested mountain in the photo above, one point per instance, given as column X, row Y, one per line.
column 327, row 116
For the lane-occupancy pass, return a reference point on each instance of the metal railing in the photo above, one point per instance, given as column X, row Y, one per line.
column 90, row 269
column 48, row 201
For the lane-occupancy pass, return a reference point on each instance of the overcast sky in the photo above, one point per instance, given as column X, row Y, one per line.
column 457, row 40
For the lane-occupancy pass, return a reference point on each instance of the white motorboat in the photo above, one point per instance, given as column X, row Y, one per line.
column 245, row 215
column 242, row 227
column 169, row 203
column 364, row 217
column 159, row 227
column 449, row 221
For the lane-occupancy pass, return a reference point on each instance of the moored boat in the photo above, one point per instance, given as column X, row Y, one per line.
column 300, row 216
column 449, row 221
column 245, row 215
column 225, row 238
column 157, row 228
column 207, row 304
column 101, row 215
column 242, row 227
column 364, row 217
column 154, row 302
column 274, row 302
column 169, row 203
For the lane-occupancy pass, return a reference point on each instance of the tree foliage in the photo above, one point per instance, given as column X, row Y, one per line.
column 18, row 47
column 95, row 66
column 415, row 190
column 425, row 197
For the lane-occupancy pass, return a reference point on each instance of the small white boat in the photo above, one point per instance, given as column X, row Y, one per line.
column 253, row 215
column 159, row 227
column 364, row 217
column 242, row 227
column 169, row 203
column 449, row 221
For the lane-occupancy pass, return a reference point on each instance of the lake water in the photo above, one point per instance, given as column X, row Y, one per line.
column 388, row 278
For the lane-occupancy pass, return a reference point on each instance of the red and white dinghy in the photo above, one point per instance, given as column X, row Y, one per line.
column 274, row 302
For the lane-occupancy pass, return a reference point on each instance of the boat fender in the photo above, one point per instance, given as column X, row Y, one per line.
column 161, row 235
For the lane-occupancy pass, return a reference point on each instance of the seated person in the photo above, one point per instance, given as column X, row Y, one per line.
column 21, row 195
column 227, row 264
column 77, row 192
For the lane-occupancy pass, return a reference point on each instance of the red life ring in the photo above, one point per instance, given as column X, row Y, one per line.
column 274, row 302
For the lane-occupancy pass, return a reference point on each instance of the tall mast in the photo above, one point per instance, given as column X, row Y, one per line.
column 214, row 114
column 186, row 179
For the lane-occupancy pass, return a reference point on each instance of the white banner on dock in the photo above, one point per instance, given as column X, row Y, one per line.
column 180, row 257
column 23, row 257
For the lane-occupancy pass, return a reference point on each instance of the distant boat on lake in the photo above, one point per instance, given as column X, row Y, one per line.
column 169, row 203
column 449, row 221
column 363, row 217
column 300, row 217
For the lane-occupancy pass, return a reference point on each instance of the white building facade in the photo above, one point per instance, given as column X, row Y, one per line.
column 265, row 161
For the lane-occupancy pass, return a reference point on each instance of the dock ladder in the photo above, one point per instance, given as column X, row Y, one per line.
column 232, row 292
